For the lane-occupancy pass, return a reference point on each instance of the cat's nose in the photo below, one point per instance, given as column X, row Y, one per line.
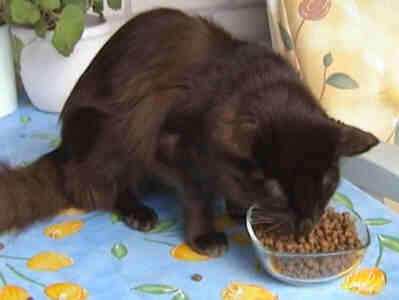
column 304, row 227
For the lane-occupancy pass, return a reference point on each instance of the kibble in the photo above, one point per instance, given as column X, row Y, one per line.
column 335, row 232
column 196, row 277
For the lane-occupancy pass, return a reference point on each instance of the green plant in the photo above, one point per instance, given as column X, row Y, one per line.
column 2, row 6
column 65, row 17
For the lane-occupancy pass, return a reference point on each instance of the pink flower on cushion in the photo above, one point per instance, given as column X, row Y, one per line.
column 314, row 10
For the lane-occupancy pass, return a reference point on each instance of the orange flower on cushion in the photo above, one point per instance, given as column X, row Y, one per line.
column 185, row 253
column 12, row 292
column 66, row 291
column 64, row 229
column 243, row 291
column 369, row 281
column 49, row 261
column 314, row 10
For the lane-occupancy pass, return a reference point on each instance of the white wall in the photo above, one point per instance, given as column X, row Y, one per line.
column 243, row 18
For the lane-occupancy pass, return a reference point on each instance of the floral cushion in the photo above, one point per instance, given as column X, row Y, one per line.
column 346, row 52
column 94, row 256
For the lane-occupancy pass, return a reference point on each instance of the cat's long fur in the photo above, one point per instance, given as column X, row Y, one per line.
column 177, row 99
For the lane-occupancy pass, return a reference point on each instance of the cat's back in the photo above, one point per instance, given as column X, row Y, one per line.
column 139, row 75
column 158, row 49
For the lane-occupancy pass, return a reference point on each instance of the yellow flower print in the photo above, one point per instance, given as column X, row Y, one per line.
column 72, row 212
column 64, row 229
column 13, row 292
column 368, row 281
column 49, row 261
column 371, row 281
column 182, row 251
column 66, row 291
column 186, row 253
column 243, row 291
column 56, row 291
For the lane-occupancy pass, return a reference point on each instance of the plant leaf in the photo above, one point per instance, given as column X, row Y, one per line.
column 114, row 4
column 327, row 60
column 5, row 14
column 258, row 267
column 79, row 3
column 339, row 198
column 22, row 164
column 157, row 289
column 119, row 250
column 180, row 295
column 98, row 7
column 390, row 242
column 17, row 46
column 163, row 226
column 342, row 81
column 55, row 142
column 43, row 136
column 115, row 218
column 24, row 12
column 25, row 119
column 50, row 4
column 378, row 221
column 285, row 37
column 380, row 251
column 41, row 27
column 69, row 29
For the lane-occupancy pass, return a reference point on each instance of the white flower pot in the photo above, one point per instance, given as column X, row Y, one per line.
column 47, row 76
column 8, row 94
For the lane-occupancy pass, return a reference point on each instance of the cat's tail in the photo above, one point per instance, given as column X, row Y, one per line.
column 31, row 193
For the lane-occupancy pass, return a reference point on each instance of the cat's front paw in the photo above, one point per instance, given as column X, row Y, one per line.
column 212, row 244
column 142, row 218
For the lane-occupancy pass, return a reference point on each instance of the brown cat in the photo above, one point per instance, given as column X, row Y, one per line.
column 176, row 99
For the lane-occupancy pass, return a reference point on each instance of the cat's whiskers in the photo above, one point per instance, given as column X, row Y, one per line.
column 262, row 220
column 274, row 227
column 262, row 216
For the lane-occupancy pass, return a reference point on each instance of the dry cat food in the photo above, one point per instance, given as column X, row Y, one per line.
column 335, row 232
column 196, row 277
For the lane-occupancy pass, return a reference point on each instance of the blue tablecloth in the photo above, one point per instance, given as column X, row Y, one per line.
column 110, row 261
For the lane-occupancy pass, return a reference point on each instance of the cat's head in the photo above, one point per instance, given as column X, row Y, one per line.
column 283, row 154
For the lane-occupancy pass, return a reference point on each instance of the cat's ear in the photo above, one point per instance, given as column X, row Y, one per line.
column 353, row 141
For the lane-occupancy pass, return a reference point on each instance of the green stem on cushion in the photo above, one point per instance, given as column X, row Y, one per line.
column 3, row 280
column 25, row 277
column 14, row 257
column 380, row 252
column 160, row 242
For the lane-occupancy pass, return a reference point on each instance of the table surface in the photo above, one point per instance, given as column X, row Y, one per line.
column 110, row 261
